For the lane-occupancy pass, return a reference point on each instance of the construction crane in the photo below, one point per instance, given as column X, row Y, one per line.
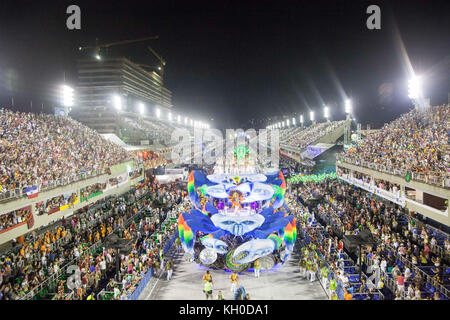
column 161, row 60
column 117, row 43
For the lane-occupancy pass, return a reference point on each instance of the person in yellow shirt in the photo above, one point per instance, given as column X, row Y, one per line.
column 234, row 281
column 207, row 276
column 257, row 267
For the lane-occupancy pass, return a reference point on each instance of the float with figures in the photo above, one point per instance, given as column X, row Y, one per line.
column 236, row 219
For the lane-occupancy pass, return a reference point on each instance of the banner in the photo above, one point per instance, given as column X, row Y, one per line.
column 91, row 196
column 32, row 192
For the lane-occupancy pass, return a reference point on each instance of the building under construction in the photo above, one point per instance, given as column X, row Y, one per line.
column 101, row 82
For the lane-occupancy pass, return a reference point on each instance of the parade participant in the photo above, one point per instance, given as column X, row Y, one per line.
column 207, row 276
column 324, row 272
column 220, row 295
column 156, row 269
column 207, row 289
column 257, row 267
column 303, row 268
column 169, row 269
column 234, row 281
column 178, row 244
column 333, row 285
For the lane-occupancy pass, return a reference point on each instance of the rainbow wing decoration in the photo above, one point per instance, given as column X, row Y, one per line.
column 278, row 241
column 186, row 235
column 290, row 234
column 191, row 190
column 279, row 186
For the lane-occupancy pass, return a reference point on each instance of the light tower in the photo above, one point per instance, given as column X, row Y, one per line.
column 415, row 91
column 67, row 99
column 311, row 117
column 326, row 113
column 348, row 108
column 348, row 124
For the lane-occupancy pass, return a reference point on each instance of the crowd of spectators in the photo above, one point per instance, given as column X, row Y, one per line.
column 415, row 142
column 401, row 244
column 13, row 218
column 92, row 189
column 80, row 240
column 303, row 138
column 38, row 148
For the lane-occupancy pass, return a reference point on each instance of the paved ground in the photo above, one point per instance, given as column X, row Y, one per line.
column 282, row 283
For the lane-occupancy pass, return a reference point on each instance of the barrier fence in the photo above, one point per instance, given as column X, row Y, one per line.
column 48, row 185
column 415, row 176
column 144, row 281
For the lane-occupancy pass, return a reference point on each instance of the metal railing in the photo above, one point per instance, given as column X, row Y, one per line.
column 43, row 185
column 420, row 177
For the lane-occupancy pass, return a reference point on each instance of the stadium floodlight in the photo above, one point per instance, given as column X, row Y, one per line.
column 301, row 119
column 415, row 87
column 326, row 112
column 117, row 102
column 158, row 113
column 67, row 95
column 348, row 106
column 287, row 123
column 186, row 120
column 293, row 121
column 192, row 122
column 141, row 108
column 311, row 115
column 179, row 119
column 169, row 116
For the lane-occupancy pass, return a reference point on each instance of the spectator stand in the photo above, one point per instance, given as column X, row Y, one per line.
column 42, row 288
column 144, row 281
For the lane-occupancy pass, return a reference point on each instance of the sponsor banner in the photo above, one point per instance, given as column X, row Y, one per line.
column 375, row 190
column 62, row 208
column 92, row 195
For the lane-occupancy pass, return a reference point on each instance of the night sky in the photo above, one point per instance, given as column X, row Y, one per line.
column 238, row 60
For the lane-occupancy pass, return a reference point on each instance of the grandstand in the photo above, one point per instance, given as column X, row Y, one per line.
column 410, row 152
column 90, row 189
